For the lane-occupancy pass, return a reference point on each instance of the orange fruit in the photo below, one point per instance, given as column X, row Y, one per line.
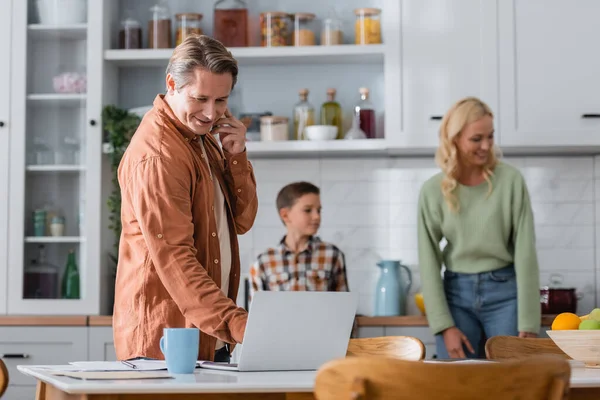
column 566, row 321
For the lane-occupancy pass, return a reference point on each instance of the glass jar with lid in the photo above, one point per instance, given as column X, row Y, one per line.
column 367, row 28
column 231, row 23
column 275, row 29
column 187, row 24
column 159, row 27
column 130, row 34
column 304, row 34
column 274, row 128
column 331, row 32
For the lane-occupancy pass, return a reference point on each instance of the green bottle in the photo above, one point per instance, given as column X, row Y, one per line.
column 331, row 113
column 70, row 281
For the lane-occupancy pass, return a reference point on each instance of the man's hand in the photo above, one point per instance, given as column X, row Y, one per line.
column 232, row 133
column 527, row 335
column 454, row 340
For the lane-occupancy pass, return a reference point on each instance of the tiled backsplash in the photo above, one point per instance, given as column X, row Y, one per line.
column 370, row 212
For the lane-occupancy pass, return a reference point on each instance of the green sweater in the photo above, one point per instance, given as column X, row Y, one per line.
column 487, row 233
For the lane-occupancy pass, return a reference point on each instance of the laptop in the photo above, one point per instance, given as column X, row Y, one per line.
column 294, row 331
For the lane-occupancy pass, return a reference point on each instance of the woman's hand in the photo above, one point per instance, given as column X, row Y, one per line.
column 527, row 335
column 454, row 340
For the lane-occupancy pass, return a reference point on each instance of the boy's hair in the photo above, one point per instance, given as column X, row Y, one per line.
column 289, row 194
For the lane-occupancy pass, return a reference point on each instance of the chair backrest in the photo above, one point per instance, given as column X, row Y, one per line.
column 543, row 377
column 3, row 378
column 401, row 347
column 512, row 347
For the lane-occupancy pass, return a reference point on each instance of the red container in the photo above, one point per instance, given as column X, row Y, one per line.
column 555, row 299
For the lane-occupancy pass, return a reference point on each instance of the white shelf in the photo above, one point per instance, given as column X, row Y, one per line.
column 54, row 239
column 58, row 98
column 367, row 54
column 52, row 32
column 307, row 147
column 55, row 168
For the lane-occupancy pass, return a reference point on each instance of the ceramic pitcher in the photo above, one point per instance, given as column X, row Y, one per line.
column 392, row 290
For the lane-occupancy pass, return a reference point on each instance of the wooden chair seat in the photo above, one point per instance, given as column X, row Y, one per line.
column 543, row 377
column 401, row 347
column 3, row 378
column 512, row 347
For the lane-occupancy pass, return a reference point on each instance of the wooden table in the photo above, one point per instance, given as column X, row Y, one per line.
column 212, row 385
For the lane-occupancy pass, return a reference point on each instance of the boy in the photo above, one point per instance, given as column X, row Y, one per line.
column 301, row 261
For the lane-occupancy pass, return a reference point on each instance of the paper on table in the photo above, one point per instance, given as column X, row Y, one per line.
column 112, row 375
column 140, row 365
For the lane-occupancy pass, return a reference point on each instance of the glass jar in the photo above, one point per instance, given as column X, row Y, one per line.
column 274, row 128
column 231, row 23
column 366, row 114
column 367, row 28
column 130, row 35
column 187, row 24
column 159, row 27
column 331, row 32
column 303, row 29
column 275, row 29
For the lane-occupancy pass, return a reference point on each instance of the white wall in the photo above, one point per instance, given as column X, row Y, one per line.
column 369, row 211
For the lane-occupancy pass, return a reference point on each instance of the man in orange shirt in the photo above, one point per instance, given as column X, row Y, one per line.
column 185, row 198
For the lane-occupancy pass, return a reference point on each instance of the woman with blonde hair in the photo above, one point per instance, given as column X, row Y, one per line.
column 481, row 207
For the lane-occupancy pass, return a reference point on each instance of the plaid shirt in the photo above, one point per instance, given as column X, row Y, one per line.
column 319, row 267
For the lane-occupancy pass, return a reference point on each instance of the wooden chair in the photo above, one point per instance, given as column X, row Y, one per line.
column 3, row 378
column 381, row 378
column 512, row 347
column 401, row 347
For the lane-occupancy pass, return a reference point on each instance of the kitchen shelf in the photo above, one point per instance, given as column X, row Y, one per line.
column 55, row 168
column 54, row 239
column 53, row 32
column 58, row 98
column 340, row 54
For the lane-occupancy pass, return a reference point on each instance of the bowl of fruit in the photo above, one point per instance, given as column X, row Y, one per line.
column 578, row 336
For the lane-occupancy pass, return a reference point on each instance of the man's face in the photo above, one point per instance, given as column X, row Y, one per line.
column 202, row 101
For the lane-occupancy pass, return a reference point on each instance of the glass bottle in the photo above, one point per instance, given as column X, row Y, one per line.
column 159, row 27
column 70, row 281
column 130, row 35
column 331, row 112
column 231, row 23
column 366, row 113
column 304, row 115
column 41, row 278
column 355, row 133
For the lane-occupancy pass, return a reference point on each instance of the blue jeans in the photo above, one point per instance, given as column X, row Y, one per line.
column 482, row 305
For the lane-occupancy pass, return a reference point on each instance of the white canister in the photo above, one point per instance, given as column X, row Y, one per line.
column 274, row 128
column 62, row 12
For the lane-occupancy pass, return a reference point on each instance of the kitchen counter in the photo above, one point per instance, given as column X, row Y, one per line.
column 106, row 320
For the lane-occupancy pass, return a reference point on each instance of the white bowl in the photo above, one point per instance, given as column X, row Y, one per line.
column 62, row 12
column 580, row 345
column 320, row 132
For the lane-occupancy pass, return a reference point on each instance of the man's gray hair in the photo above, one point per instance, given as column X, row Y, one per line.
column 204, row 52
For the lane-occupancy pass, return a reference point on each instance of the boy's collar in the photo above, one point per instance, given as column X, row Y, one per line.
column 310, row 244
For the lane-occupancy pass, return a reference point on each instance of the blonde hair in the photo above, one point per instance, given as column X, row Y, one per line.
column 204, row 52
column 462, row 113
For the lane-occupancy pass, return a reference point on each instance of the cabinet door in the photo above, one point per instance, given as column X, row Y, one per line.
column 549, row 79
column 54, row 160
column 5, row 32
column 101, row 344
column 448, row 52
column 40, row 346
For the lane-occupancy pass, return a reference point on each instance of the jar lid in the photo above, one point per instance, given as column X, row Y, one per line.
column 304, row 16
column 189, row 16
column 275, row 14
column 367, row 11
column 274, row 120
column 130, row 23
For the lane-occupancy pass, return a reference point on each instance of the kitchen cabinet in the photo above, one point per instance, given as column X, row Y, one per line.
column 55, row 159
column 448, row 52
column 35, row 345
column 549, row 81
column 5, row 37
column 101, row 344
